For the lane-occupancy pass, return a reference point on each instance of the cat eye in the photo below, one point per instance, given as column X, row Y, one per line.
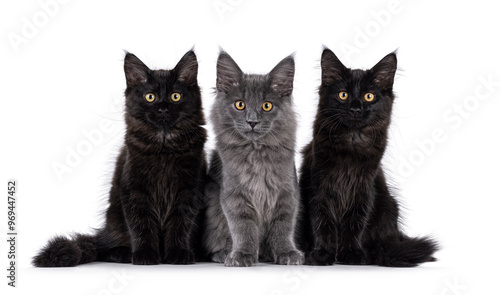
column 267, row 106
column 343, row 95
column 175, row 97
column 369, row 97
column 149, row 97
column 240, row 105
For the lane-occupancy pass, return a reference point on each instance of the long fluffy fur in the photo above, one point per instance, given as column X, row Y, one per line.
column 61, row 251
column 348, row 214
column 252, row 193
column 405, row 252
column 157, row 189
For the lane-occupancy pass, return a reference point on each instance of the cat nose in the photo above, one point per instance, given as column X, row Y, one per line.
column 252, row 124
column 162, row 111
column 355, row 111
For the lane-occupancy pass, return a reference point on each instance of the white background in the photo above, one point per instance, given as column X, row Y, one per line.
column 64, row 79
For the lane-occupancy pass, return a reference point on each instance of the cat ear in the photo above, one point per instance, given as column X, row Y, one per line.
column 331, row 67
column 228, row 72
column 384, row 71
column 187, row 69
column 136, row 72
column 282, row 76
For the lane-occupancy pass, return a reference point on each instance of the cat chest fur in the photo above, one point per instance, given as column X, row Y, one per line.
column 259, row 177
column 348, row 181
column 160, row 180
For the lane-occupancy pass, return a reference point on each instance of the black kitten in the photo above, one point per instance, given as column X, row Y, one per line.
column 348, row 213
column 158, row 179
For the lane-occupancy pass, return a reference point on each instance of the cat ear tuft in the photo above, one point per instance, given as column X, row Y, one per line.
column 228, row 72
column 331, row 67
column 136, row 72
column 281, row 76
column 187, row 69
column 384, row 71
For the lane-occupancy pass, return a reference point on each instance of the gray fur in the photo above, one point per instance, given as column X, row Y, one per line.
column 252, row 193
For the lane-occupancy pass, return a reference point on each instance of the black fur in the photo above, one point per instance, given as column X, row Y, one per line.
column 348, row 214
column 156, row 194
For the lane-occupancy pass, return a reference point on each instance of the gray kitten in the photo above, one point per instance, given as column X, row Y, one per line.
column 252, row 193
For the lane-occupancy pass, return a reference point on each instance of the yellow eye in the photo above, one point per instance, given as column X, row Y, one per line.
column 267, row 106
column 369, row 97
column 240, row 105
column 175, row 96
column 343, row 95
column 150, row 97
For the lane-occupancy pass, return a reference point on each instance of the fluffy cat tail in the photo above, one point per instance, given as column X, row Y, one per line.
column 61, row 251
column 405, row 252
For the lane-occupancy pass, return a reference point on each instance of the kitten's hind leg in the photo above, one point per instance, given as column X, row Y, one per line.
column 122, row 254
column 387, row 245
column 217, row 242
column 220, row 256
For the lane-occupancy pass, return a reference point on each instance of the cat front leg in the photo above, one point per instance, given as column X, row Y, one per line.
column 217, row 240
column 281, row 230
column 242, row 221
column 179, row 228
column 143, row 228
column 324, row 227
column 352, row 229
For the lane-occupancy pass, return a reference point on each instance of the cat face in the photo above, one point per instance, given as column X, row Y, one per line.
column 253, row 105
column 357, row 98
column 162, row 98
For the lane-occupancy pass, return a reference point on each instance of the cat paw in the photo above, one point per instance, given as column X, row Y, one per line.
column 238, row 259
column 220, row 256
column 178, row 256
column 119, row 255
column 293, row 257
column 322, row 256
column 352, row 257
column 145, row 257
